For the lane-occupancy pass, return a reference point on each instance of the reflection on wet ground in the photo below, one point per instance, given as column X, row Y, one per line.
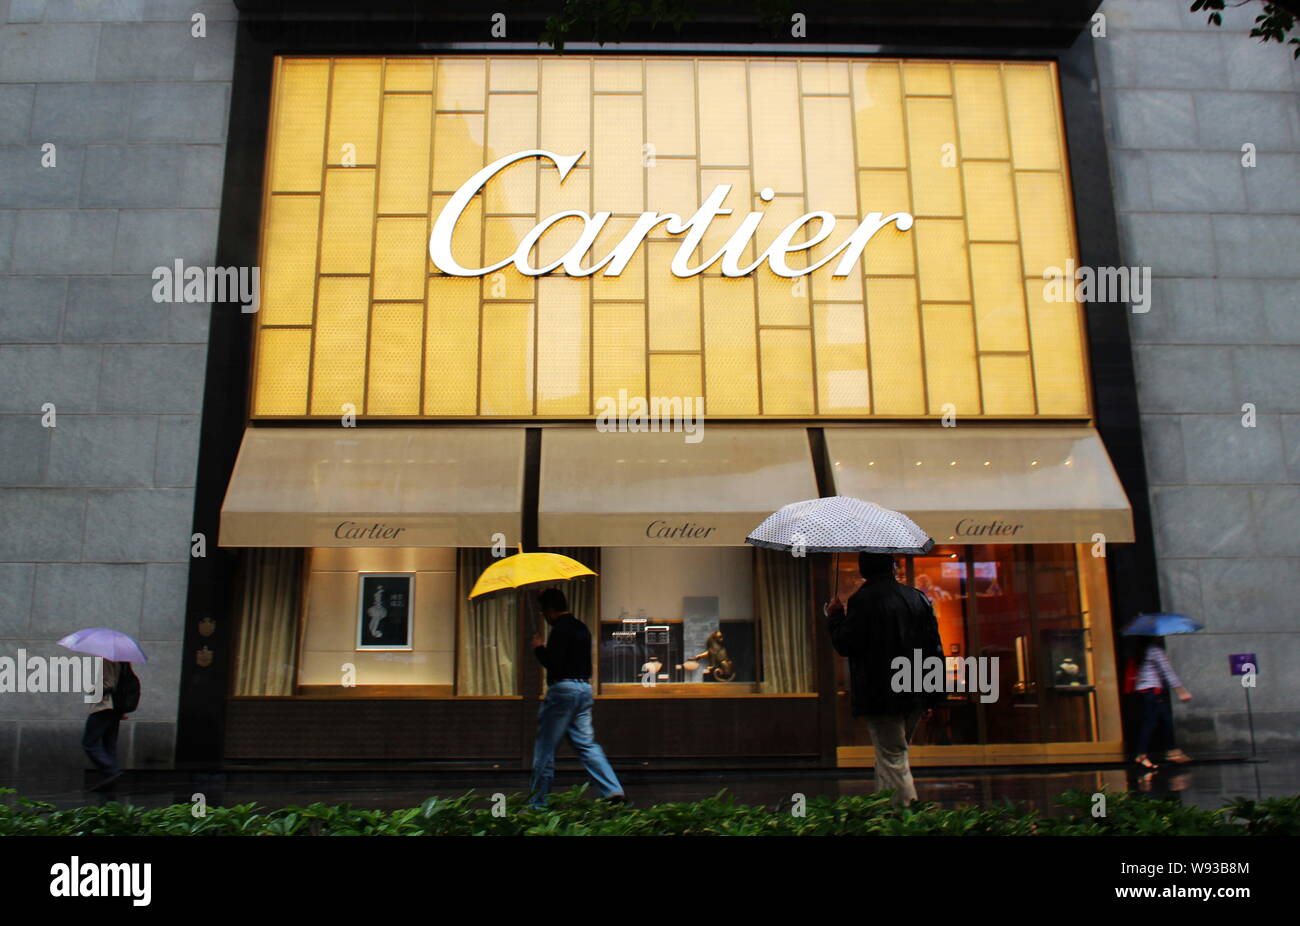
column 1207, row 785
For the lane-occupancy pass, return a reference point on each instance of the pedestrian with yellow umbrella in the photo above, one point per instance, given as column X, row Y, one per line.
column 566, row 655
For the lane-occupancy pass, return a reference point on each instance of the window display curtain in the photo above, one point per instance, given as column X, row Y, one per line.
column 270, row 600
column 488, row 641
column 583, row 594
column 783, row 611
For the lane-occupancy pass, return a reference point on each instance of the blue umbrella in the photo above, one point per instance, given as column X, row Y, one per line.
column 1161, row 624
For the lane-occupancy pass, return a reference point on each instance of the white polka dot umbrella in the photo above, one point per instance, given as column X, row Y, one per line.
column 839, row 524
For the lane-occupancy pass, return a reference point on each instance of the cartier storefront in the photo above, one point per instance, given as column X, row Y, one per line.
column 624, row 306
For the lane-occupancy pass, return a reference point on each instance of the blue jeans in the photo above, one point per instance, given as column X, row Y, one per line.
column 100, row 740
column 566, row 709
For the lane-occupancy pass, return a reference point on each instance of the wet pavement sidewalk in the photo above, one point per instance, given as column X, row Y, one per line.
column 1207, row 784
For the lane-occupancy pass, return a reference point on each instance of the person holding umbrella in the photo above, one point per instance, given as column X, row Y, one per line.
column 566, row 710
column 1151, row 673
column 883, row 620
column 120, row 690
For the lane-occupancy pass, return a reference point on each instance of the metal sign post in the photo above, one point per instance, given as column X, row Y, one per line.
column 1247, row 666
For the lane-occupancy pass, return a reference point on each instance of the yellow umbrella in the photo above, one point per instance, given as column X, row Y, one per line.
column 526, row 569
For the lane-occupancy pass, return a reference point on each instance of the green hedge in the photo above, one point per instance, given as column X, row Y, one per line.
column 571, row 814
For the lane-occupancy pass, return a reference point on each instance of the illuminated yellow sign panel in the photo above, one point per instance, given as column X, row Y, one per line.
column 942, row 313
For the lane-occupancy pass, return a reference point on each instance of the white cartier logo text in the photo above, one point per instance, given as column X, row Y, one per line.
column 692, row 229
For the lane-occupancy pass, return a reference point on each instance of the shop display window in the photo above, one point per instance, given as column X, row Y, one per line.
column 697, row 649
column 1067, row 661
column 673, row 618
column 1019, row 603
column 702, row 621
column 346, row 622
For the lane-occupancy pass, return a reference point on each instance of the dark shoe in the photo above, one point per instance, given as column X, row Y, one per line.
column 617, row 800
column 107, row 783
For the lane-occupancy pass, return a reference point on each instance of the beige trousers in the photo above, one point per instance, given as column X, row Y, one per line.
column 890, row 734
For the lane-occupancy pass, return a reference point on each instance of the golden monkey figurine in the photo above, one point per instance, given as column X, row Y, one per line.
column 716, row 654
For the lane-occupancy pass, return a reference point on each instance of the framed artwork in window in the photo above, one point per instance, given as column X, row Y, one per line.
column 384, row 603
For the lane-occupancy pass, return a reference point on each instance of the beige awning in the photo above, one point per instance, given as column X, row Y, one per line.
column 378, row 487
column 654, row 489
column 972, row 484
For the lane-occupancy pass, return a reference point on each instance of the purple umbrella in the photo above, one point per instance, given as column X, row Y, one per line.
column 113, row 645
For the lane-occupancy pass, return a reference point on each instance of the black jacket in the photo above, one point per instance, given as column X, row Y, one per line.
column 567, row 653
column 885, row 620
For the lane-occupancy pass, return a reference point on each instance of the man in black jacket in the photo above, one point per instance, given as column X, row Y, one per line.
column 566, row 710
column 886, row 620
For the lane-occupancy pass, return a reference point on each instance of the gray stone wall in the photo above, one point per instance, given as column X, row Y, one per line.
column 1181, row 98
column 96, row 511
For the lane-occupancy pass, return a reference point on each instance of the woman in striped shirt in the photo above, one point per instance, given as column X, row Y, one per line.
column 1154, row 672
